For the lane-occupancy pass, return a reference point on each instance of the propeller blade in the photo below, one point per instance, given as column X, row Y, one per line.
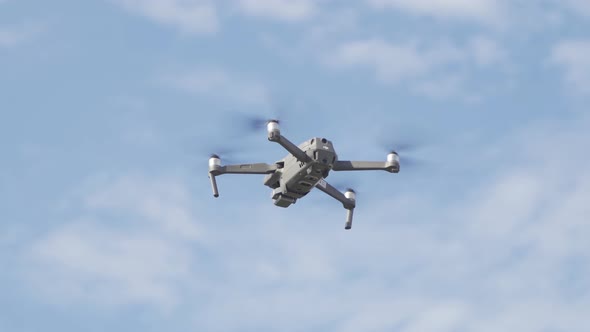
column 411, row 162
column 256, row 122
column 226, row 158
column 400, row 139
column 226, row 154
column 399, row 146
column 248, row 123
column 346, row 186
column 406, row 148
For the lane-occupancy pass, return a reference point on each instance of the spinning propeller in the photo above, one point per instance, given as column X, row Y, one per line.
column 404, row 149
column 257, row 123
column 277, row 112
column 228, row 155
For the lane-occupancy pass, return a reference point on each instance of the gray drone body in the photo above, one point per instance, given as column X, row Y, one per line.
column 304, row 168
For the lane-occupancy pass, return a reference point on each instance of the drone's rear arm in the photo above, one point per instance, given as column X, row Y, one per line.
column 216, row 169
column 348, row 199
column 258, row 168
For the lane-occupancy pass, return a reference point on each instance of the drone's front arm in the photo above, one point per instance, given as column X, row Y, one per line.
column 347, row 199
column 347, row 165
column 216, row 169
column 274, row 135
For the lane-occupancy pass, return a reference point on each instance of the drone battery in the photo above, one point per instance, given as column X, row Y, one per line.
column 284, row 201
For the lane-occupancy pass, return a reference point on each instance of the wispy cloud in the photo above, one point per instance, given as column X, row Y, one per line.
column 283, row 10
column 166, row 203
column 143, row 257
column 486, row 51
column 440, row 88
column 574, row 57
column 425, row 66
column 391, row 61
column 576, row 6
column 193, row 16
column 88, row 262
column 203, row 16
column 474, row 10
column 218, row 83
column 11, row 36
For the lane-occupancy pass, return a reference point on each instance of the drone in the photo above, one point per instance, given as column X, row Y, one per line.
column 305, row 167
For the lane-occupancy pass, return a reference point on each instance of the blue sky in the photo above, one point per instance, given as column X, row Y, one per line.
column 108, row 109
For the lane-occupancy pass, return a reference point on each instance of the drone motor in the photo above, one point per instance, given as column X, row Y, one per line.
column 273, row 129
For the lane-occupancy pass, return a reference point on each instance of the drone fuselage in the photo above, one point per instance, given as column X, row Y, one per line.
column 296, row 178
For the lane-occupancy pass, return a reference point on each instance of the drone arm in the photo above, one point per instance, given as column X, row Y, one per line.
column 216, row 169
column 348, row 200
column 335, row 193
column 348, row 165
column 259, row 168
column 274, row 135
column 293, row 149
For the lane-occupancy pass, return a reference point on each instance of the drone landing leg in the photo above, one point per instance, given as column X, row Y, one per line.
column 349, row 213
column 214, row 185
column 348, row 199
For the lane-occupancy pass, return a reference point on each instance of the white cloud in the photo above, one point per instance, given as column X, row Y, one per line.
column 190, row 16
column 334, row 24
column 143, row 257
column 476, row 10
column 15, row 35
column 517, row 194
column 285, row 10
column 86, row 261
column 441, row 88
column 577, row 6
column 393, row 62
column 203, row 16
column 218, row 83
column 574, row 57
column 486, row 51
column 166, row 203
column 437, row 69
